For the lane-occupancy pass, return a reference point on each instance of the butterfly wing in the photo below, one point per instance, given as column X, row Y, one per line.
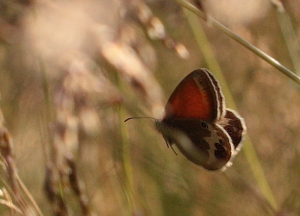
column 220, row 96
column 235, row 126
column 197, row 121
column 197, row 96
column 206, row 144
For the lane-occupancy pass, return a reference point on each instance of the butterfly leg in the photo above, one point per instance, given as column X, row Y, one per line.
column 169, row 144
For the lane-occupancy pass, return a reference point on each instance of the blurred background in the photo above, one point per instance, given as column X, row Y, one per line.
column 71, row 72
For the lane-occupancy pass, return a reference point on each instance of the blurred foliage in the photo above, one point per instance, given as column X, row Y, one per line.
column 72, row 71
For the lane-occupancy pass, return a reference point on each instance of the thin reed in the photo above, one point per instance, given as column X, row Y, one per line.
column 71, row 72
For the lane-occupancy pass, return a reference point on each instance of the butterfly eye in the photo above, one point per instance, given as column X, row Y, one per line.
column 204, row 125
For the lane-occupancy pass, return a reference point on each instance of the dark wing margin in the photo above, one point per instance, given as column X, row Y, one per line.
column 196, row 96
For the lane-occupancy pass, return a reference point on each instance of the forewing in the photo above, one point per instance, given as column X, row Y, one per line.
column 220, row 96
column 196, row 96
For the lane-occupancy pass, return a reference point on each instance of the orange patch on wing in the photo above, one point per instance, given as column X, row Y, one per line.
column 192, row 100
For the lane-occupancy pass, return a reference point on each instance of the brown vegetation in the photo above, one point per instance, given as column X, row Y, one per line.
column 72, row 71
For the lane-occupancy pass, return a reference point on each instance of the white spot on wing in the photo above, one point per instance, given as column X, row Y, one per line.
column 214, row 138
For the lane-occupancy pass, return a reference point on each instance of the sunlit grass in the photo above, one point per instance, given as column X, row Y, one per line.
column 72, row 72
column 213, row 65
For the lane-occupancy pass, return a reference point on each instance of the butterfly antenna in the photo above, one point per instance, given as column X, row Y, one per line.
column 138, row 118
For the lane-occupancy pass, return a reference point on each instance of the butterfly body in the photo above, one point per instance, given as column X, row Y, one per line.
column 198, row 123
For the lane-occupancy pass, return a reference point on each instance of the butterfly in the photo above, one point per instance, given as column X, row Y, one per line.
column 197, row 121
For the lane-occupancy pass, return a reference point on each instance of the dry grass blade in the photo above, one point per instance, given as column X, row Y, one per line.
column 52, row 190
column 156, row 29
column 73, row 71
column 6, row 151
column 243, row 42
column 77, row 187
column 289, row 34
column 73, row 101
column 128, row 64
column 11, row 205
column 248, row 148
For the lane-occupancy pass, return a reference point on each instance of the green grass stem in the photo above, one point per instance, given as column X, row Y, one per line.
column 213, row 65
column 127, row 163
column 241, row 41
column 289, row 36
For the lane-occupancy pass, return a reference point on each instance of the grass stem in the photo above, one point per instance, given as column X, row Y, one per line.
column 127, row 164
column 241, row 41
column 213, row 65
